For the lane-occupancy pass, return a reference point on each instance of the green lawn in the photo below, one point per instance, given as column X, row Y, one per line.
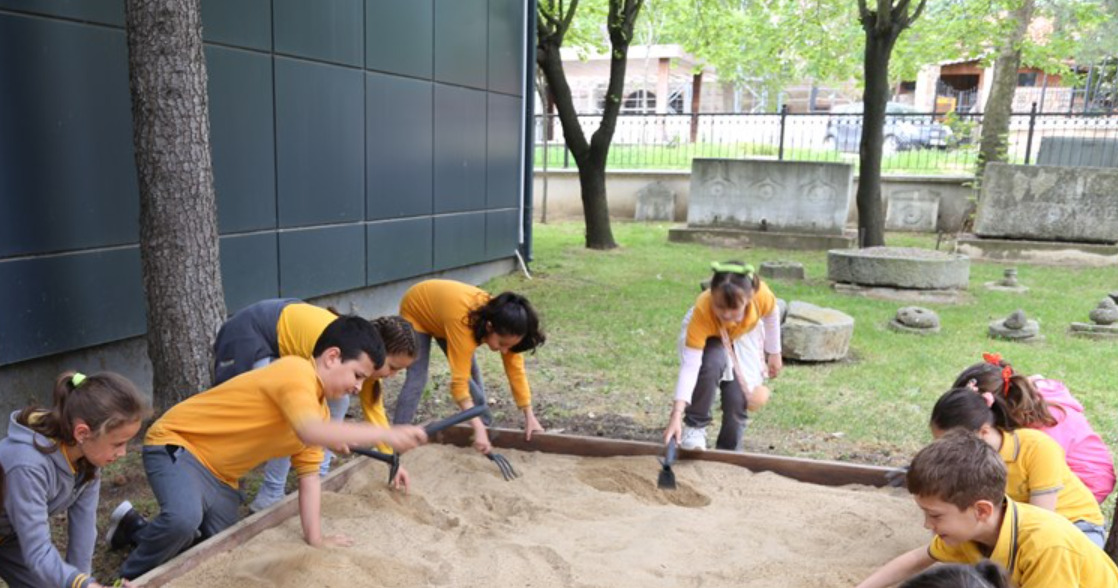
column 613, row 318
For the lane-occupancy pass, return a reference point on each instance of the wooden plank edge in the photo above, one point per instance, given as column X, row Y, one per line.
column 243, row 530
column 823, row 472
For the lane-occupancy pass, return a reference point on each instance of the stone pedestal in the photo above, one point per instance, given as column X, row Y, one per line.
column 1016, row 327
column 915, row 320
column 813, row 333
column 900, row 273
column 782, row 270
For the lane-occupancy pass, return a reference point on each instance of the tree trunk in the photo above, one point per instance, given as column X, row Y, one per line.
column 696, row 96
column 999, row 106
column 871, row 218
column 178, row 208
column 595, row 209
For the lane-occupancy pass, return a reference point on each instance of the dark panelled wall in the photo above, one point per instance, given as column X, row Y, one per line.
column 355, row 142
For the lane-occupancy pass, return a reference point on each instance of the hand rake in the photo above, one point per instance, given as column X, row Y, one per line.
column 667, row 476
column 507, row 471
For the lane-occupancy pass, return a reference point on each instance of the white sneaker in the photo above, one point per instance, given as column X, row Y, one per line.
column 694, row 438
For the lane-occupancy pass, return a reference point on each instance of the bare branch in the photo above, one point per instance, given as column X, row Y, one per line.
column 919, row 11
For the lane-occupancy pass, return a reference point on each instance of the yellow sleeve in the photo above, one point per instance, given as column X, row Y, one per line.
column 1054, row 566
column 764, row 301
column 299, row 405
column 372, row 405
column 702, row 325
column 460, row 346
column 1044, row 465
column 518, row 378
column 942, row 552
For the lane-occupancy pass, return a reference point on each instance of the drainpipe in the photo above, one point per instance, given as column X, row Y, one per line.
column 528, row 146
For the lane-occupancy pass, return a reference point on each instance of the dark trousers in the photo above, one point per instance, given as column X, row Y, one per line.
column 734, row 417
column 191, row 500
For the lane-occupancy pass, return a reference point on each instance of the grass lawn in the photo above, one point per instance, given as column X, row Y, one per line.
column 610, row 362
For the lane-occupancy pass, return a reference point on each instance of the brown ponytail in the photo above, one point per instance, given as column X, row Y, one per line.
column 103, row 401
column 1026, row 407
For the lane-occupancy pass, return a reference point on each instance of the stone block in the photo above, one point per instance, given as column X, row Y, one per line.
column 767, row 195
column 655, row 202
column 813, row 333
column 1047, row 203
column 1078, row 151
column 782, row 270
column 912, row 211
column 899, row 267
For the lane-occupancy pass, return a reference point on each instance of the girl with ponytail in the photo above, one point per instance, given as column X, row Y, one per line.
column 51, row 462
column 1036, row 402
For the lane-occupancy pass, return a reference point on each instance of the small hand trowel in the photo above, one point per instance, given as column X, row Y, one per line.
column 667, row 477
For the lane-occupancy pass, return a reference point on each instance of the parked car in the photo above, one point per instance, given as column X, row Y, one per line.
column 904, row 129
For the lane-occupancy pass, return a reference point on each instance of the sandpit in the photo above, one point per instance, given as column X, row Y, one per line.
column 579, row 522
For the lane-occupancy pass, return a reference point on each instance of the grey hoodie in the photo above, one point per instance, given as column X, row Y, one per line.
column 36, row 486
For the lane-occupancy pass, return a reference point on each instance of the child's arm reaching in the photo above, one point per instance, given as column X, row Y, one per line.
column 310, row 509
column 900, row 568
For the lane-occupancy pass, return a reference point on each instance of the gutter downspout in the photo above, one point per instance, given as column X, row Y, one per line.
column 528, row 136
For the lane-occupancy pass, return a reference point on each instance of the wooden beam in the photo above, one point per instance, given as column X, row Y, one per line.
column 826, row 473
column 244, row 530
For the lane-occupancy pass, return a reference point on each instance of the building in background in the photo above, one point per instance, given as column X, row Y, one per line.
column 358, row 146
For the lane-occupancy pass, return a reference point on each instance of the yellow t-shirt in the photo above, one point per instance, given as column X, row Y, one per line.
column 1036, row 464
column 1039, row 549
column 441, row 308
column 704, row 324
column 299, row 327
column 372, row 405
column 248, row 420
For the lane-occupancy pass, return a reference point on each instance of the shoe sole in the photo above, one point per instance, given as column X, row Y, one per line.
column 115, row 520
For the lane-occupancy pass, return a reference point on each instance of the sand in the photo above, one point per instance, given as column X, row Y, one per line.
column 580, row 522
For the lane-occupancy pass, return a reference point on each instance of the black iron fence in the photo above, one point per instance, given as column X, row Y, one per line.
column 915, row 143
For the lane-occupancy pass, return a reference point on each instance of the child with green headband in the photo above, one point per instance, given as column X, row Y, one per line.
column 51, row 463
column 730, row 341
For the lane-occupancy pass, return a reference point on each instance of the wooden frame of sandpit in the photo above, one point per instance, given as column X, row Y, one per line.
column 825, row 473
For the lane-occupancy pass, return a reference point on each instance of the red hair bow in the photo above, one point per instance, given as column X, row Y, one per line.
column 995, row 359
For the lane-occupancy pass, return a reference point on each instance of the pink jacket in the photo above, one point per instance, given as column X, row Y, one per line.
column 1087, row 454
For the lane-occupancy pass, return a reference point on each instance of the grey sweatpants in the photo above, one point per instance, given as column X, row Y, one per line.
column 734, row 417
column 408, row 401
column 191, row 500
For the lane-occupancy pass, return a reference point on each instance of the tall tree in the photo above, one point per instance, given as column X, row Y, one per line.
column 883, row 25
column 999, row 105
column 553, row 25
column 178, row 209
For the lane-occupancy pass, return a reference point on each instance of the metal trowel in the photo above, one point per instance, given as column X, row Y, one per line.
column 667, row 476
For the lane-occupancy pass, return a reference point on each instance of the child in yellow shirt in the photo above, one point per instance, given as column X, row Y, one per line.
column 1037, row 471
column 461, row 318
column 197, row 451
column 959, row 482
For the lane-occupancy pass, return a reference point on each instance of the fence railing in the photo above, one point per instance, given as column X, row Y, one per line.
column 915, row 143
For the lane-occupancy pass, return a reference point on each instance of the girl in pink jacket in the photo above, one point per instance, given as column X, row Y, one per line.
column 1047, row 405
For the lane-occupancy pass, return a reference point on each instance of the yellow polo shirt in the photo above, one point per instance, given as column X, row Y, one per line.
column 1039, row 549
column 705, row 324
column 248, row 420
column 1036, row 464
column 441, row 308
column 299, row 327
column 372, row 405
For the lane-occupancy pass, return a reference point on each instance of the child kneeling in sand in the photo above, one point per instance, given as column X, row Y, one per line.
column 959, row 482
column 196, row 452
column 729, row 340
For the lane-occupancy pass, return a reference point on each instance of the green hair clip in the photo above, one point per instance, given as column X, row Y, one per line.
column 77, row 379
column 732, row 268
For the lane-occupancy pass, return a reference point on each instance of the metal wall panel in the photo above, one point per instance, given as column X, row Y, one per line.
column 319, row 261
column 242, row 138
column 242, row 23
column 459, row 240
column 399, row 37
column 320, row 143
column 506, row 46
column 399, row 138
column 398, row 249
column 69, row 178
column 249, row 269
column 461, row 48
column 502, row 231
column 503, row 161
column 324, row 31
column 459, row 149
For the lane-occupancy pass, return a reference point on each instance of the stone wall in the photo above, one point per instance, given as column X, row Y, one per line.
column 563, row 202
column 1048, row 203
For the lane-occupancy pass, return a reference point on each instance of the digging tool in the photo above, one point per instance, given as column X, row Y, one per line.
column 667, row 476
column 503, row 464
column 392, row 459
